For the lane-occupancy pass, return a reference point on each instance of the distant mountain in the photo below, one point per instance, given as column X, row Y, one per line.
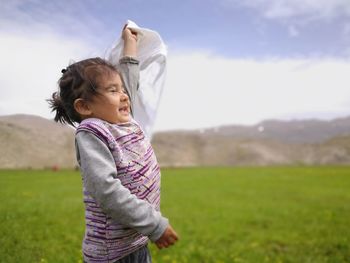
column 294, row 131
column 28, row 141
column 190, row 149
column 266, row 143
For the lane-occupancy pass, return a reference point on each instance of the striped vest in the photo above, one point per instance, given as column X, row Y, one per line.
column 137, row 168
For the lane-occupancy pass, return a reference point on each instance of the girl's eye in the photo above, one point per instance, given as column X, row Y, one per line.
column 123, row 91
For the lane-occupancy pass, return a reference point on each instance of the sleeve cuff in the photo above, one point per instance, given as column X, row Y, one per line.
column 128, row 59
column 158, row 232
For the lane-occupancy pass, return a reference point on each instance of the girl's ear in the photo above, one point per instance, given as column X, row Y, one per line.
column 82, row 107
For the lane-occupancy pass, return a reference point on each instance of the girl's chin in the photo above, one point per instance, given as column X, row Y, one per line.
column 120, row 120
column 124, row 119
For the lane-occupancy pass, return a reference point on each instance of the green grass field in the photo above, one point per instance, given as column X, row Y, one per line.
column 270, row 214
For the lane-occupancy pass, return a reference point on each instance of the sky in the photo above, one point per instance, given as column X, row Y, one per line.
column 229, row 61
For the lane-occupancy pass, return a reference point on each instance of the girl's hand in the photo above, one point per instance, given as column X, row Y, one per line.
column 129, row 34
column 168, row 238
column 130, row 42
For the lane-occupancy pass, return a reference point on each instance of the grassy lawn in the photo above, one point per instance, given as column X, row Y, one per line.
column 265, row 214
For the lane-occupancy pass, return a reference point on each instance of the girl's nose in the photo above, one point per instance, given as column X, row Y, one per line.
column 124, row 97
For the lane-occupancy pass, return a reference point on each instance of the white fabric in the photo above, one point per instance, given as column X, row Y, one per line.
column 151, row 53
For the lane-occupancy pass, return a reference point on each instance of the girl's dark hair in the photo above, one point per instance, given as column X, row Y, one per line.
column 79, row 80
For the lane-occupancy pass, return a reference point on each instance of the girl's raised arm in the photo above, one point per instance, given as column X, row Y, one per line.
column 129, row 65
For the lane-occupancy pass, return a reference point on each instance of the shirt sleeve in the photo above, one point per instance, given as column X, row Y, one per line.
column 130, row 73
column 100, row 179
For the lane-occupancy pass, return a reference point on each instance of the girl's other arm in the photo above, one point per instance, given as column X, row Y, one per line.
column 100, row 180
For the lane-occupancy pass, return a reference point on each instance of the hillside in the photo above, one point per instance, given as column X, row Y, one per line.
column 177, row 149
column 294, row 131
column 33, row 142
column 271, row 142
column 28, row 141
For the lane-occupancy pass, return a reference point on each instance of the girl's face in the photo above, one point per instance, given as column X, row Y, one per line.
column 112, row 104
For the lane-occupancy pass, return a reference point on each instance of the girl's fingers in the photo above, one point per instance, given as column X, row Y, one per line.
column 129, row 33
column 167, row 241
column 163, row 245
column 173, row 237
column 172, row 240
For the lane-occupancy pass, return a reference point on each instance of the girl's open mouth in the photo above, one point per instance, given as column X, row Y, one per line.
column 124, row 110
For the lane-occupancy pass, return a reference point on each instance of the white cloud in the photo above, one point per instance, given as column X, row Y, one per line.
column 203, row 90
column 296, row 12
column 314, row 9
column 30, row 68
column 38, row 39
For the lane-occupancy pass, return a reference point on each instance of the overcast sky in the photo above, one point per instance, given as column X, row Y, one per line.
column 230, row 61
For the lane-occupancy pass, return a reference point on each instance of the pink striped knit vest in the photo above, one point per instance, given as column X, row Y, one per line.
column 137, row 168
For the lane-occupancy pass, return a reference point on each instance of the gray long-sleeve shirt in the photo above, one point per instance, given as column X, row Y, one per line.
column 100, row 175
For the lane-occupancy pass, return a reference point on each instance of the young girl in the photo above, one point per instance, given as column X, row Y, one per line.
column 121, row 176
